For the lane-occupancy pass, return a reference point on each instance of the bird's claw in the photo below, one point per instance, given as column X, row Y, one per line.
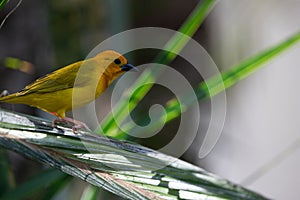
column 69, row 121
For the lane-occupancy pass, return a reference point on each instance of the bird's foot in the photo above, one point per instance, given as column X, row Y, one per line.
column 69, row 121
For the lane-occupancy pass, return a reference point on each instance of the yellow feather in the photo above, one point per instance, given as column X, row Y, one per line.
column 71, row 86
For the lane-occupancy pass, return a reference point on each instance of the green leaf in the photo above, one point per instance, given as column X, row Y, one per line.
column 18, row 64
column 90, row 193
column 125, row 169
column 2, row 3
column 176, row 44
column 51, row 178
column 235, row 74
column 217, row 84
column 7, row 180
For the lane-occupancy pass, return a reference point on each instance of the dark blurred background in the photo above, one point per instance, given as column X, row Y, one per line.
column 262, row 112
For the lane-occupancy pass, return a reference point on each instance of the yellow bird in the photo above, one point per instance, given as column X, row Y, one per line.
column 72, row 86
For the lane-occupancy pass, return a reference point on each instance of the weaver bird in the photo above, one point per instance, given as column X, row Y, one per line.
column 72, row 86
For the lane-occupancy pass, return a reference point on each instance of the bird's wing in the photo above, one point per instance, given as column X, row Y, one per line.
column 61, row 79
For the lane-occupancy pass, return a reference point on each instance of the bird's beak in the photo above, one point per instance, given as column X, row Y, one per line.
column 128, row 67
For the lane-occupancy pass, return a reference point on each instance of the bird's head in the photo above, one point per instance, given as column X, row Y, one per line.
column 115, row 64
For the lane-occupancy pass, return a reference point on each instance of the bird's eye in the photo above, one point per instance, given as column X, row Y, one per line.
column 117, row 61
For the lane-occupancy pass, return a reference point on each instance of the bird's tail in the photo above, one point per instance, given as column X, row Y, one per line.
column 8, row 98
